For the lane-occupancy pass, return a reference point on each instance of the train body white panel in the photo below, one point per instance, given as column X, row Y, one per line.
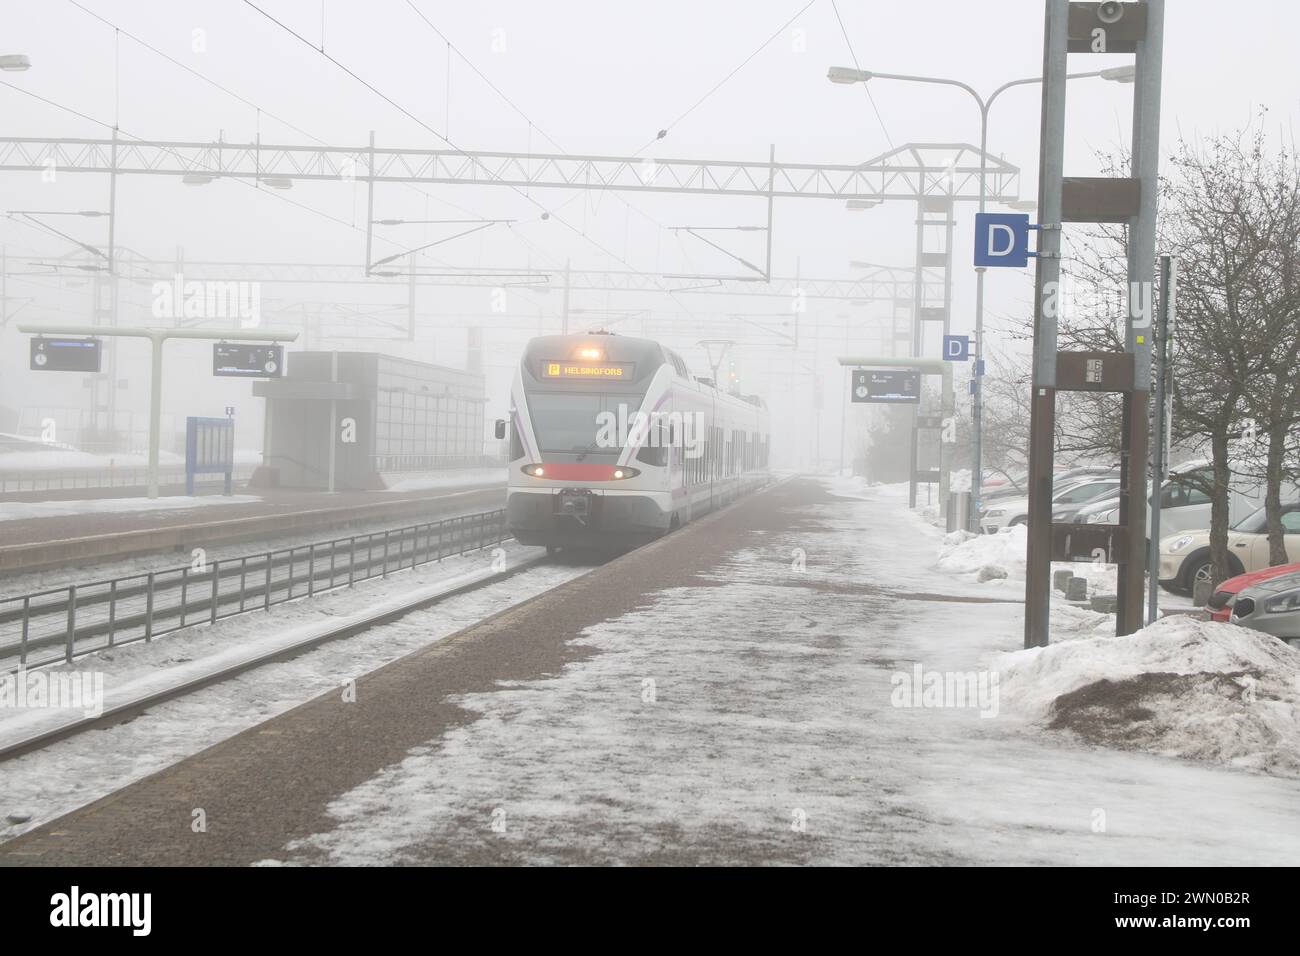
column 613, row 443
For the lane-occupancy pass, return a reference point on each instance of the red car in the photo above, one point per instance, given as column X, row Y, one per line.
column 1220, row 604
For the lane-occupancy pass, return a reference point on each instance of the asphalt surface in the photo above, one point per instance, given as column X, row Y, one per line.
column 273, row 783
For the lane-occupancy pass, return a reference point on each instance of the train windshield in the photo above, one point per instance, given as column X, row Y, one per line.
column 571, row 422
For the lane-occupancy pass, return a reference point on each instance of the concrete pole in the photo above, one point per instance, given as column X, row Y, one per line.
column 155, row 411
column 564, row 326
column 370, row 201
column 977, row 391
column 334, row 421
column 1159, row 457
column 411, row 298
column 1141, row 276
column 1042, row 420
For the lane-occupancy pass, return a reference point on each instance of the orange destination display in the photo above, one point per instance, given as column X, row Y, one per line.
column 558, row 369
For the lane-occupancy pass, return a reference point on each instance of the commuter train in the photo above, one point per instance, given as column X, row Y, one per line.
column 613, row 443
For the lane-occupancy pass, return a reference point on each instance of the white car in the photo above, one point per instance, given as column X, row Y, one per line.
column 1185, row 555
column 1006, row 512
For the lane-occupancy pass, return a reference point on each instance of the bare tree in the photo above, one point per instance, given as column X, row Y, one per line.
column 1229, row 212
column 1230, row 217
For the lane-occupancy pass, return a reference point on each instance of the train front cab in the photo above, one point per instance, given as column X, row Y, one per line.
column 569, row 485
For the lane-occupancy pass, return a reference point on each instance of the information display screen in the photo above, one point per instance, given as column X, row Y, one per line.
column 603, row 371
column 247, row 361
column 886, row 386
column 65, row 355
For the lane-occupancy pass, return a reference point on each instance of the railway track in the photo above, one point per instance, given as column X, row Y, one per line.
column 353, row 625
column 82, row 618
column 75, row 546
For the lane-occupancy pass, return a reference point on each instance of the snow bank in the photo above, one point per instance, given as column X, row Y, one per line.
column 63, row 458
column 1181, row 687
column 1003, row 554
column 1001, row 557
column 20, row 510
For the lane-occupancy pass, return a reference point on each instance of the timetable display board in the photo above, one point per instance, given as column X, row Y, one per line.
column 238, row 360
column 65, row 355
column 886, row 386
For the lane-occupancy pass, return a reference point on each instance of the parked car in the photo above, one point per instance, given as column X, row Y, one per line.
column 1185, row 555
column 1066, row 495
column 1016, row 484
column 1221, row 602
column 1271, row 606
column 1066, row 510
column 1184, row 505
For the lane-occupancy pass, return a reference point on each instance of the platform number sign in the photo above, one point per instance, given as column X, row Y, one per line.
column 65, row 355
column 861, row 393
column 1002, row 240
column 956, row 348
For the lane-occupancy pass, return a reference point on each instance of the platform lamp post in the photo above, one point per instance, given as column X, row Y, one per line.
column 843, row 74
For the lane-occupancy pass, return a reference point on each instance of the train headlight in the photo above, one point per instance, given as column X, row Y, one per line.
column 591, row 353
column 618, row 472
column 535, row 470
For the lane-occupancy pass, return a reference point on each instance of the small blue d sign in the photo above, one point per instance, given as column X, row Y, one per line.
column 956, row 348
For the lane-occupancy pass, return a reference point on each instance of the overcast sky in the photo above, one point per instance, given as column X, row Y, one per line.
column 595, row 77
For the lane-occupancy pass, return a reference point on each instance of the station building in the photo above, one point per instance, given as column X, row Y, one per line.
column 389, row 417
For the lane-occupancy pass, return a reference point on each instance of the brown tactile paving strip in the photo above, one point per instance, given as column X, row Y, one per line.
column 271, row 784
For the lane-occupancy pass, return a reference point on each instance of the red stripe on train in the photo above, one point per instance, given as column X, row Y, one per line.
column 577, row 471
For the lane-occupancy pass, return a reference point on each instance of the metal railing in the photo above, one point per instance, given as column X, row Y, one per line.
column 60, row 624
column 16, row 482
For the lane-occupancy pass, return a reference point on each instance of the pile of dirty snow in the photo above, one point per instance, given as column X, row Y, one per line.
column 1181, row 687
column 1001, row 557
column 990, row 556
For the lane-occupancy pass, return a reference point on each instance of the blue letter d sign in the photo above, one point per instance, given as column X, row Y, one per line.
column 1001, row 239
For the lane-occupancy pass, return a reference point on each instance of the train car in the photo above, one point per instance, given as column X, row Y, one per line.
column 614, row 443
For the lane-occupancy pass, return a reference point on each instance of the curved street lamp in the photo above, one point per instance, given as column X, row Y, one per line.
column 846, row 75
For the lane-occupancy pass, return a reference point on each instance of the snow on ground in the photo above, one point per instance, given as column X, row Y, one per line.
column 83, row 768
column 20, row 510
column 65, row 458
column 105, row 569
column 999, row 556
column 1181, row 687
column 447, row 479
column 774, row 734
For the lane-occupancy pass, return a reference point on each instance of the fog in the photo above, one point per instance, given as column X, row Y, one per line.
column 725, row 81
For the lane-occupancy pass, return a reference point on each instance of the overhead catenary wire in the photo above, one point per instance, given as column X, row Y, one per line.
column 130, row 135
column 231, row 93
column 423, row 125
column 722, row 82
column 853, row 55
column 118, row 31
column 404, row 111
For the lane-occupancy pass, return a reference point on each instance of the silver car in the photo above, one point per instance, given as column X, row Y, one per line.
column 1271, row 606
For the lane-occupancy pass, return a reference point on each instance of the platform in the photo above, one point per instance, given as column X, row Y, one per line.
column 28, row 544
column 725, row 695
